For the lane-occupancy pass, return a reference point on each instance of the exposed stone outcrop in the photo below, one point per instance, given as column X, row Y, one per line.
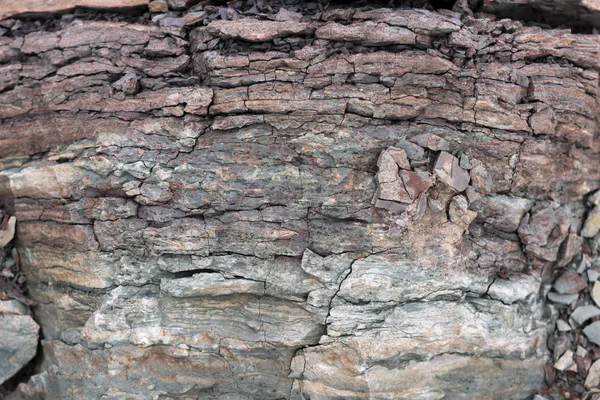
column 342, row 204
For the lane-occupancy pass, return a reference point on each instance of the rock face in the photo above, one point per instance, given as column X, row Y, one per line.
column 354, row 204
column 18, row 338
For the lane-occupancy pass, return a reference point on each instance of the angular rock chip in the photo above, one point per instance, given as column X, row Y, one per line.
column 416, row 182
column 399, row 155
column 413, row 151
column 447, row 169
column 431, row 142
column 565, row 362
column 502, row 212
column 592, row 332
column 459, row 212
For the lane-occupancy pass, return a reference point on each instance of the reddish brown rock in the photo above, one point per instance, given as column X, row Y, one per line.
column 416, row 182
column 569, row 283
column 9, row 8
column 448, row 171
column 257, row 31
column 368, row 32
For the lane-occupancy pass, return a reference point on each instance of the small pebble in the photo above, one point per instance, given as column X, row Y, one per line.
column 563, row 326
column 593, row 275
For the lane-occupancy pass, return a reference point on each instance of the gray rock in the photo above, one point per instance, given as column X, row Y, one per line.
column 431, row 141
column 13, row 307
column 592, row 275
column 564, row 299
column 569, row 283
column 18, row 343
column 592, row 332
column 563, row 326
column 465, row 163
column 413, row 151
column 518, row 289
column 584, row 313
column 502, row 212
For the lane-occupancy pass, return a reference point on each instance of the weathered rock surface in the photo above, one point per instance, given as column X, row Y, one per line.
column 9, row 8
column 196, row 216
column 18, row 338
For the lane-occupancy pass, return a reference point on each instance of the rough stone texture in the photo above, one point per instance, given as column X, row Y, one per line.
column 208, row 231
column 9, row 8
column 18, row 338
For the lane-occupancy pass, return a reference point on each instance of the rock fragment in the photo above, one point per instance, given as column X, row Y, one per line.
column 448, row 171
column 563, row 326
column 416, row 182
column 569, row 283
column 583, row 313
column 431, row 142
column 592, row 379
column 399, row 156
column 592, row 332
column 564, row 299
column 459, row 212
column 591, row 226
column 8, row 233
column 564, row 362
column 158, row 6
column 287, row 15
column 596, row 293
column 194, row 17
column 413, row 151
column 18, row 341
column 128, row 84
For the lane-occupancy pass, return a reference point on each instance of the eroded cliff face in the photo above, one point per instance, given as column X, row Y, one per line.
column 346, row 204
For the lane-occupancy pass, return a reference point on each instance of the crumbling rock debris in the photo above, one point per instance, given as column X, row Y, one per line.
column 194, row 200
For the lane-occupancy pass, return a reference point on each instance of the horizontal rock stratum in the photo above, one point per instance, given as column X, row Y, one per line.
column 357, row 204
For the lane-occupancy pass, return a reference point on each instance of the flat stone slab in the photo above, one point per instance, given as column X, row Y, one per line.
column 9, row 8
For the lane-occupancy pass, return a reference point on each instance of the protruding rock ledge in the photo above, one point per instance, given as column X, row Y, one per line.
column 9, row 8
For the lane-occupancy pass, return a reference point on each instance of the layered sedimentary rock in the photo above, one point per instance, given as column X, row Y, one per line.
column 10, row 8
column 212, row 214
